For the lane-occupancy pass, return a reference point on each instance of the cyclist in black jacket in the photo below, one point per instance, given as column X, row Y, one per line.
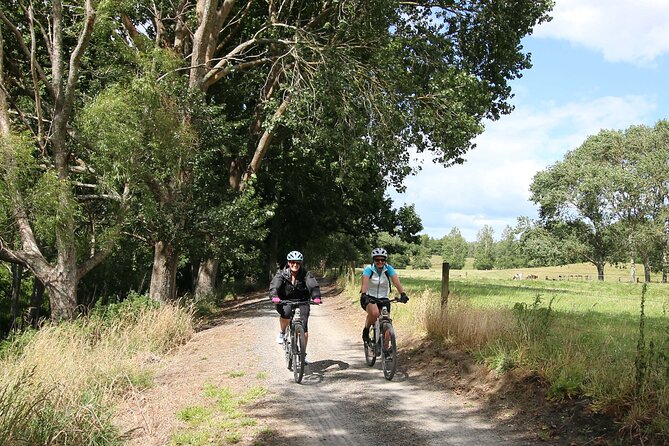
column 297, row 284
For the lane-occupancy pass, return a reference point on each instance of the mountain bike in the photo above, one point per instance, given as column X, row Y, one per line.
column 380, row 334
column 294, row 340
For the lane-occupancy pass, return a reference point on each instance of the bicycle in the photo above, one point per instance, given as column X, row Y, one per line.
column 374, row 346
column 294, row 340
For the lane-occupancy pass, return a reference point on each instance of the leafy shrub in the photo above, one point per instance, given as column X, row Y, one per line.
column 533, row 321
column 131, row 307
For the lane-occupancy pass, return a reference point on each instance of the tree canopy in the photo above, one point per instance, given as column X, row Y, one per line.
column 202, row 126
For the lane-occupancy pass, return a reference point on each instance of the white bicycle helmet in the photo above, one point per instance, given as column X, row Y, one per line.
column 379, row 252
column 295, row 256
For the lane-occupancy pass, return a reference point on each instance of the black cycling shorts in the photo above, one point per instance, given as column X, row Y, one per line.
column 284, row 311
column 364, row 302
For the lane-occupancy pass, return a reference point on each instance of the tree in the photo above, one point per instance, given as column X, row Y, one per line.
column 484, row 254
column 380, row 74
column 574, row 192
column 62, row 223
column 639, row 191
column 611, row 192
column 455, row 249
column 507, row 250
column 549, row 245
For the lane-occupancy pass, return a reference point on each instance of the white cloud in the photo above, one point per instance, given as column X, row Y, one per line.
column 492, row 187
column 634, row 31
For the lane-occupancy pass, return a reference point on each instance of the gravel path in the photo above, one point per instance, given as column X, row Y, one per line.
column 341, row 401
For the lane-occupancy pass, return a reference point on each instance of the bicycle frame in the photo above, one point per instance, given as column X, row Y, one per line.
column 377, row 346
column 294, row 341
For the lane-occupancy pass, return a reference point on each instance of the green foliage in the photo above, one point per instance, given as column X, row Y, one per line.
column 13, row 345
column 608, row 194
column 533, row 321
column 421, row 259
column 567, row 384
column 53, row 206
column 484, row 253
column 455, row 249
column 507, row 250
column 128, row 309
column 18, row 167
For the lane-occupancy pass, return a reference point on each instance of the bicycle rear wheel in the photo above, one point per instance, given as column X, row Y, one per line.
column 299, row 346
column 389, row 356
column 370, row 353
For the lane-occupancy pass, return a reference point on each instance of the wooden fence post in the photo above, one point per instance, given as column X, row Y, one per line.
column 444, row 283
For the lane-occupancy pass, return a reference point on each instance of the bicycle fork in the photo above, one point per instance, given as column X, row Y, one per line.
column 382, row 334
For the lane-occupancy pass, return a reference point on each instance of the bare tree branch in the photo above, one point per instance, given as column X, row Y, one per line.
column 263, row 144
column 21, row 43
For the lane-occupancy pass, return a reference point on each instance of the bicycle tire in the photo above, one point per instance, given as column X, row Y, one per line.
column 370, row 347
column 288, row 349
column 299, row 347
column 389, row 362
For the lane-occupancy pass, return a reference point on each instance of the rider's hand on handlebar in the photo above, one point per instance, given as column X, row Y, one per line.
column 317, row 300
column 404, row 298
column 276, row 300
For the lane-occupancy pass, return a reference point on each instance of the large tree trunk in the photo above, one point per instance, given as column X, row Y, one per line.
column 600, row 270
column 164, row 274
column 273, row 258
column 646, row 269
column 665, row 265
column 17, row 273
column 206, row 277
column 36, row 301
column 62, row 291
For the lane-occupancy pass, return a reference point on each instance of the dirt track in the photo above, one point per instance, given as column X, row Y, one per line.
column 341, row 400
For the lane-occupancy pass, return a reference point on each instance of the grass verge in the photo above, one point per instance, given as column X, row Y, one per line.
column 220, row 419
column 58, row 385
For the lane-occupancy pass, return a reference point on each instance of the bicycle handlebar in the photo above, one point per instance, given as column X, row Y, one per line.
column 294, row 303
column 384, row 299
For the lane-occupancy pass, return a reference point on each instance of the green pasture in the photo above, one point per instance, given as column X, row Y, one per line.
column 572, row 296
column 584, row 337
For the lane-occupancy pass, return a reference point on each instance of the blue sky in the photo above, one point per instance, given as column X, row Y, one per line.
column 599, row 64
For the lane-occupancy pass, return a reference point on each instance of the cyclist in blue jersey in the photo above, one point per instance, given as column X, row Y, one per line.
column 376, row 282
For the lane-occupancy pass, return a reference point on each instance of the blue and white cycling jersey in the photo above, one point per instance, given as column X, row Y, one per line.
column 379, row 280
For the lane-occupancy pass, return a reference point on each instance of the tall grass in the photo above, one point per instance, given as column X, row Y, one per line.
column 586, row 339
column 61, row 381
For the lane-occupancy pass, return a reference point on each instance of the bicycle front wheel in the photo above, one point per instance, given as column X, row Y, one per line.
column 288, row 348
column 389, row 355
column 299, row 347
column 370, row 351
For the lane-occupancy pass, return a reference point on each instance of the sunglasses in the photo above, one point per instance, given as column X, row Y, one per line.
column 380, row 259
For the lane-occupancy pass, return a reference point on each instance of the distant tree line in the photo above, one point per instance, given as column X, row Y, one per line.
column 606, row 202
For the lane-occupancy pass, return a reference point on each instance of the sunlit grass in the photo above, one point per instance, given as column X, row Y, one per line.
column 65, row 379
column 220, row 419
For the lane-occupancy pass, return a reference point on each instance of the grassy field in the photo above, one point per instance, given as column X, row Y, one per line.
column 586, row 338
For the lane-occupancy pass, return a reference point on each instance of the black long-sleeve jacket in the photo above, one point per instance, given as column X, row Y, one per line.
column 305, row 287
